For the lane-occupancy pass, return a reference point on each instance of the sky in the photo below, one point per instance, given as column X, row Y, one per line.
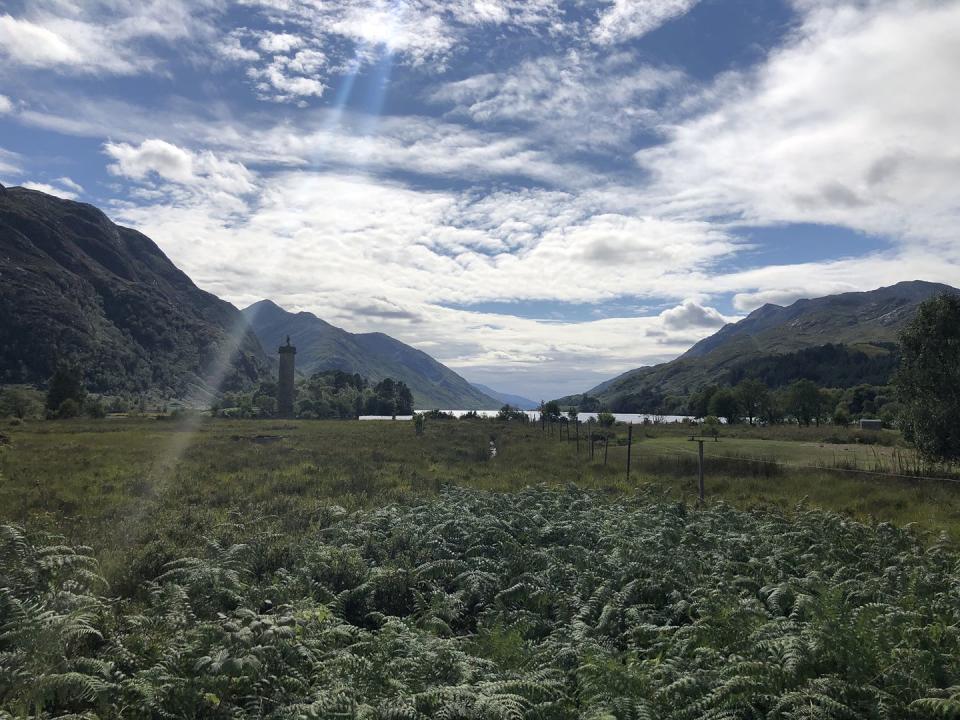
column 541, row 194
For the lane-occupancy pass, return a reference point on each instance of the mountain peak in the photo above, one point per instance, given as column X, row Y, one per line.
column 868, row 322
column 261, row 305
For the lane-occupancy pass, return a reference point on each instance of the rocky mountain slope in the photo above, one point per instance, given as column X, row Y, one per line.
column 838, row 340
column 322, row 346
column 75, row 287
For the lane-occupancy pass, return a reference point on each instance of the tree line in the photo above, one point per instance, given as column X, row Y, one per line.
column 802, row 402
column 324, row 395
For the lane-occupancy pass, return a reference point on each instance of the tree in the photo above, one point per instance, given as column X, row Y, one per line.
column 711, row 427
column 20, row 401
column 69, row 408
column 588, row 404
column 927, row 384
column 393, row 397
column 551, row 411
column 805, row 402
column 266, row 404
column 699, row 405
column 95, row 409
column 752, row 396
column 772, row 411
column 508, row 412
column 606, row 419
column 66, row 384
column 840, row 417
column 724, row 404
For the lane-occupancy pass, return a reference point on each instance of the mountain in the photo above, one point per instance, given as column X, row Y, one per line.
column 838, row 341
column 322, row 346
column 517, row 401
column 75, row 287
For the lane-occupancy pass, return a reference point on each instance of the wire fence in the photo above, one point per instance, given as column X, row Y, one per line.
column 637, row 457
column 830, row 468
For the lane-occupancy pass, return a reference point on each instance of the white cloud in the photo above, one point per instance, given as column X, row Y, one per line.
column 291, row 78
column 691, row 315
column 428, row 33
column 70, row 184
column 272, row 42
column 232, row 48
column 151, row 156
column 576, row 100
column 9, row 162
column 784, row 284
column 109, row 37
column 57, row 190
column 411, row 144
column 169, row 162
column 326, row 138
column 629, row 19
column 749, row 301
column 376, row 255
column 33, row 44
column 6, row 105
column 850, row 124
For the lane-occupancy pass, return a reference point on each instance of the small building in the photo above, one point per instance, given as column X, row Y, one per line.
column 871, row 424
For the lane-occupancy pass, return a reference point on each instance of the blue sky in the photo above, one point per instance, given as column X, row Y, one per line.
column 540, row 193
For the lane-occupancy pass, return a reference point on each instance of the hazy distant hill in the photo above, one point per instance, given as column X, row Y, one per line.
column 517, row 401
column 322, row 346
column 74, row 286
column 846, row 339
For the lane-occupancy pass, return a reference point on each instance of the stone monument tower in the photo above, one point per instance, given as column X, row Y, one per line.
column 285, row 390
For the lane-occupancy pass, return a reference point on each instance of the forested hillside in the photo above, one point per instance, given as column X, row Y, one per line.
column 76, row 288
column 838, row 341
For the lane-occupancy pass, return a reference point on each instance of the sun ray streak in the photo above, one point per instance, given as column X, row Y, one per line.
column 182, row 435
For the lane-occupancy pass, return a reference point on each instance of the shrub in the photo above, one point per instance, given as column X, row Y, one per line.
column 21, row 401
column 841, row 417
column 66, row 384
column 69, row 408
column 531, row 605
column 95, row 409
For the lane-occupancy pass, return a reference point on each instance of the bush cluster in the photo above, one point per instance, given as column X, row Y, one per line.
column 540, row 604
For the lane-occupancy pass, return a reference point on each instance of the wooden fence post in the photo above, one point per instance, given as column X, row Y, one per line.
column 606, row 448
column 578, row 437
column 629, row 448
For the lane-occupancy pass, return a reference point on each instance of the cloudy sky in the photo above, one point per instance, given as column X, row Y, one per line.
column 539, row 193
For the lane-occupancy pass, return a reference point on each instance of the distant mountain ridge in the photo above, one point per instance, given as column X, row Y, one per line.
column 516, row 401
column 322, row 346
column 856, row 327
column 76, row 287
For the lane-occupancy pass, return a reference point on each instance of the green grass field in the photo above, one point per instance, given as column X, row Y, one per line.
column 259, row 569
column 141, row 490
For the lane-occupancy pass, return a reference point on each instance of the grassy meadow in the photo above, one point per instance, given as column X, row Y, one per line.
column 140, row 491
column 233, row 569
